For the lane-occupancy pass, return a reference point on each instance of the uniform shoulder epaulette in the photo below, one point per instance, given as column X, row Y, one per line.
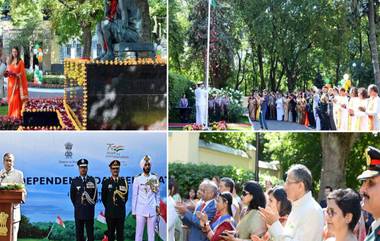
column 155, row 174
column 106, row 179
column 138, row 175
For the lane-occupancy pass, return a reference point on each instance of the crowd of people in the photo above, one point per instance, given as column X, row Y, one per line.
column 282, row 213
column 354, row 109
column 13, row 69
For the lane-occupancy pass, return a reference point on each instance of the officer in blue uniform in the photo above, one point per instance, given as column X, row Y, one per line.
column 370, row 191
column 114, row 198
column 83, row 194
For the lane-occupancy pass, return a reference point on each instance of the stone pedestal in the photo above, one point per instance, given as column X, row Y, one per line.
column 116, row 95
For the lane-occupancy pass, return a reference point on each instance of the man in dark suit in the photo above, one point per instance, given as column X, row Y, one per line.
column 206, row 205
column 83, row 194
column 114, row 198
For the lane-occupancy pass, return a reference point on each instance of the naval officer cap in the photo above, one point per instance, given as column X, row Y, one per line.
column 373, row 164
column 114, row 163
column 82, row 163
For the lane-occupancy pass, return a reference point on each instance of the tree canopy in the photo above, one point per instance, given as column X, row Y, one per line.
column 277, row 45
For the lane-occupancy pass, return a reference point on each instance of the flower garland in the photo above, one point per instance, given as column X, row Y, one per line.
column 49, row 105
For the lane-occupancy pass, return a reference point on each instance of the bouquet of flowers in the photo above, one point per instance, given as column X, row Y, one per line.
column 8, row 73
column 12, row 187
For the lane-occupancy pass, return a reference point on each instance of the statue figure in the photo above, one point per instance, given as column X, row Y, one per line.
column 119, row 25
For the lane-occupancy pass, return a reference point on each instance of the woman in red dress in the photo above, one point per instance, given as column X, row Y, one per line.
column 224, row 223
column 17, row 84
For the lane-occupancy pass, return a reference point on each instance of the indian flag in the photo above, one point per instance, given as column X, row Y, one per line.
column 162, row 220
column 60, row 222
column 101, row 217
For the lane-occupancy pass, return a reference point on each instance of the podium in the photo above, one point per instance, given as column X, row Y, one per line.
column 8, row 198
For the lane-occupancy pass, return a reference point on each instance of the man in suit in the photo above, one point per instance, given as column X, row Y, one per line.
column 9, row 175
column 206, row 205
column 146, row 200
column 114, row 198
column 370, row 191
column 83, row 194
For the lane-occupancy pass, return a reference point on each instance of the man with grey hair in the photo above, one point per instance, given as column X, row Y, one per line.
column 9, row 175
column 206, row 205
column 305, row 221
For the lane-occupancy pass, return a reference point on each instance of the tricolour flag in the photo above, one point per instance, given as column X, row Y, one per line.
column 101, row 218
column 162, row 221
column 60, row 222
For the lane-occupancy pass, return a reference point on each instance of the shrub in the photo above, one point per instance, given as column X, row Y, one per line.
column 190, row 175
column 235, row 111
column 179, row 85
column 54, row 79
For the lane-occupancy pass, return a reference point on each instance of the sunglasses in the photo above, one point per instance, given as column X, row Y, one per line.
column 245, row 193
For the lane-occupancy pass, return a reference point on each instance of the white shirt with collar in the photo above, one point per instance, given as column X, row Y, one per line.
column 305, row 222
column 375, row 224
column 13, row 177
column 144, row 199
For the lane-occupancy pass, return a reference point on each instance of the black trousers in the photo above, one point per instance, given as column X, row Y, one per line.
column 79, row 229
column 115, row 224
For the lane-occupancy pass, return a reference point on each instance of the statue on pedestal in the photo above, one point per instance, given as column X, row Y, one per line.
column 119, row 25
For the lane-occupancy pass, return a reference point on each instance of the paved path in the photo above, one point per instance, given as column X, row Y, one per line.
column 282, row 125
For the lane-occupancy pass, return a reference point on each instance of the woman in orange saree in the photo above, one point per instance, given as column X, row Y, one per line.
column 17, row 84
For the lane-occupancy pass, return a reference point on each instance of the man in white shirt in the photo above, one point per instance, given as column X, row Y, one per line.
column 370, row 191
column 226, row 184
column 201, row 104
column 146, row 200
column 374, row 108
column 305, row 221
column 9, row 175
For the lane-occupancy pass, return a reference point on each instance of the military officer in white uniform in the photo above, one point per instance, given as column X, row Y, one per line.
column 9, row 175
column 145, row 200
column 201, row 104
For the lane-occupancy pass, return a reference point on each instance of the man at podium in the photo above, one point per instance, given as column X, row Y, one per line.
column 9, row 175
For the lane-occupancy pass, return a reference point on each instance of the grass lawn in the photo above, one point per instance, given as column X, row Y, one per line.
column 3, row 110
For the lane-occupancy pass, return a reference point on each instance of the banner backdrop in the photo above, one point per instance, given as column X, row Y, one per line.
column 48, row 161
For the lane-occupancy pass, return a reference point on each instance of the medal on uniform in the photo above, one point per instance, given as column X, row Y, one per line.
column 153, row 184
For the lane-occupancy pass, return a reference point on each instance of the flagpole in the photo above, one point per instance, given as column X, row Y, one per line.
column 51, row 229
column 208, row 56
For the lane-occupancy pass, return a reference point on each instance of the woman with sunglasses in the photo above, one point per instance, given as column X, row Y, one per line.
column 225, row 222
column 251, row 223
column 342, row 214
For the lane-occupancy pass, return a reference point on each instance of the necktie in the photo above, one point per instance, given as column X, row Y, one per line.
column 203, row 206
